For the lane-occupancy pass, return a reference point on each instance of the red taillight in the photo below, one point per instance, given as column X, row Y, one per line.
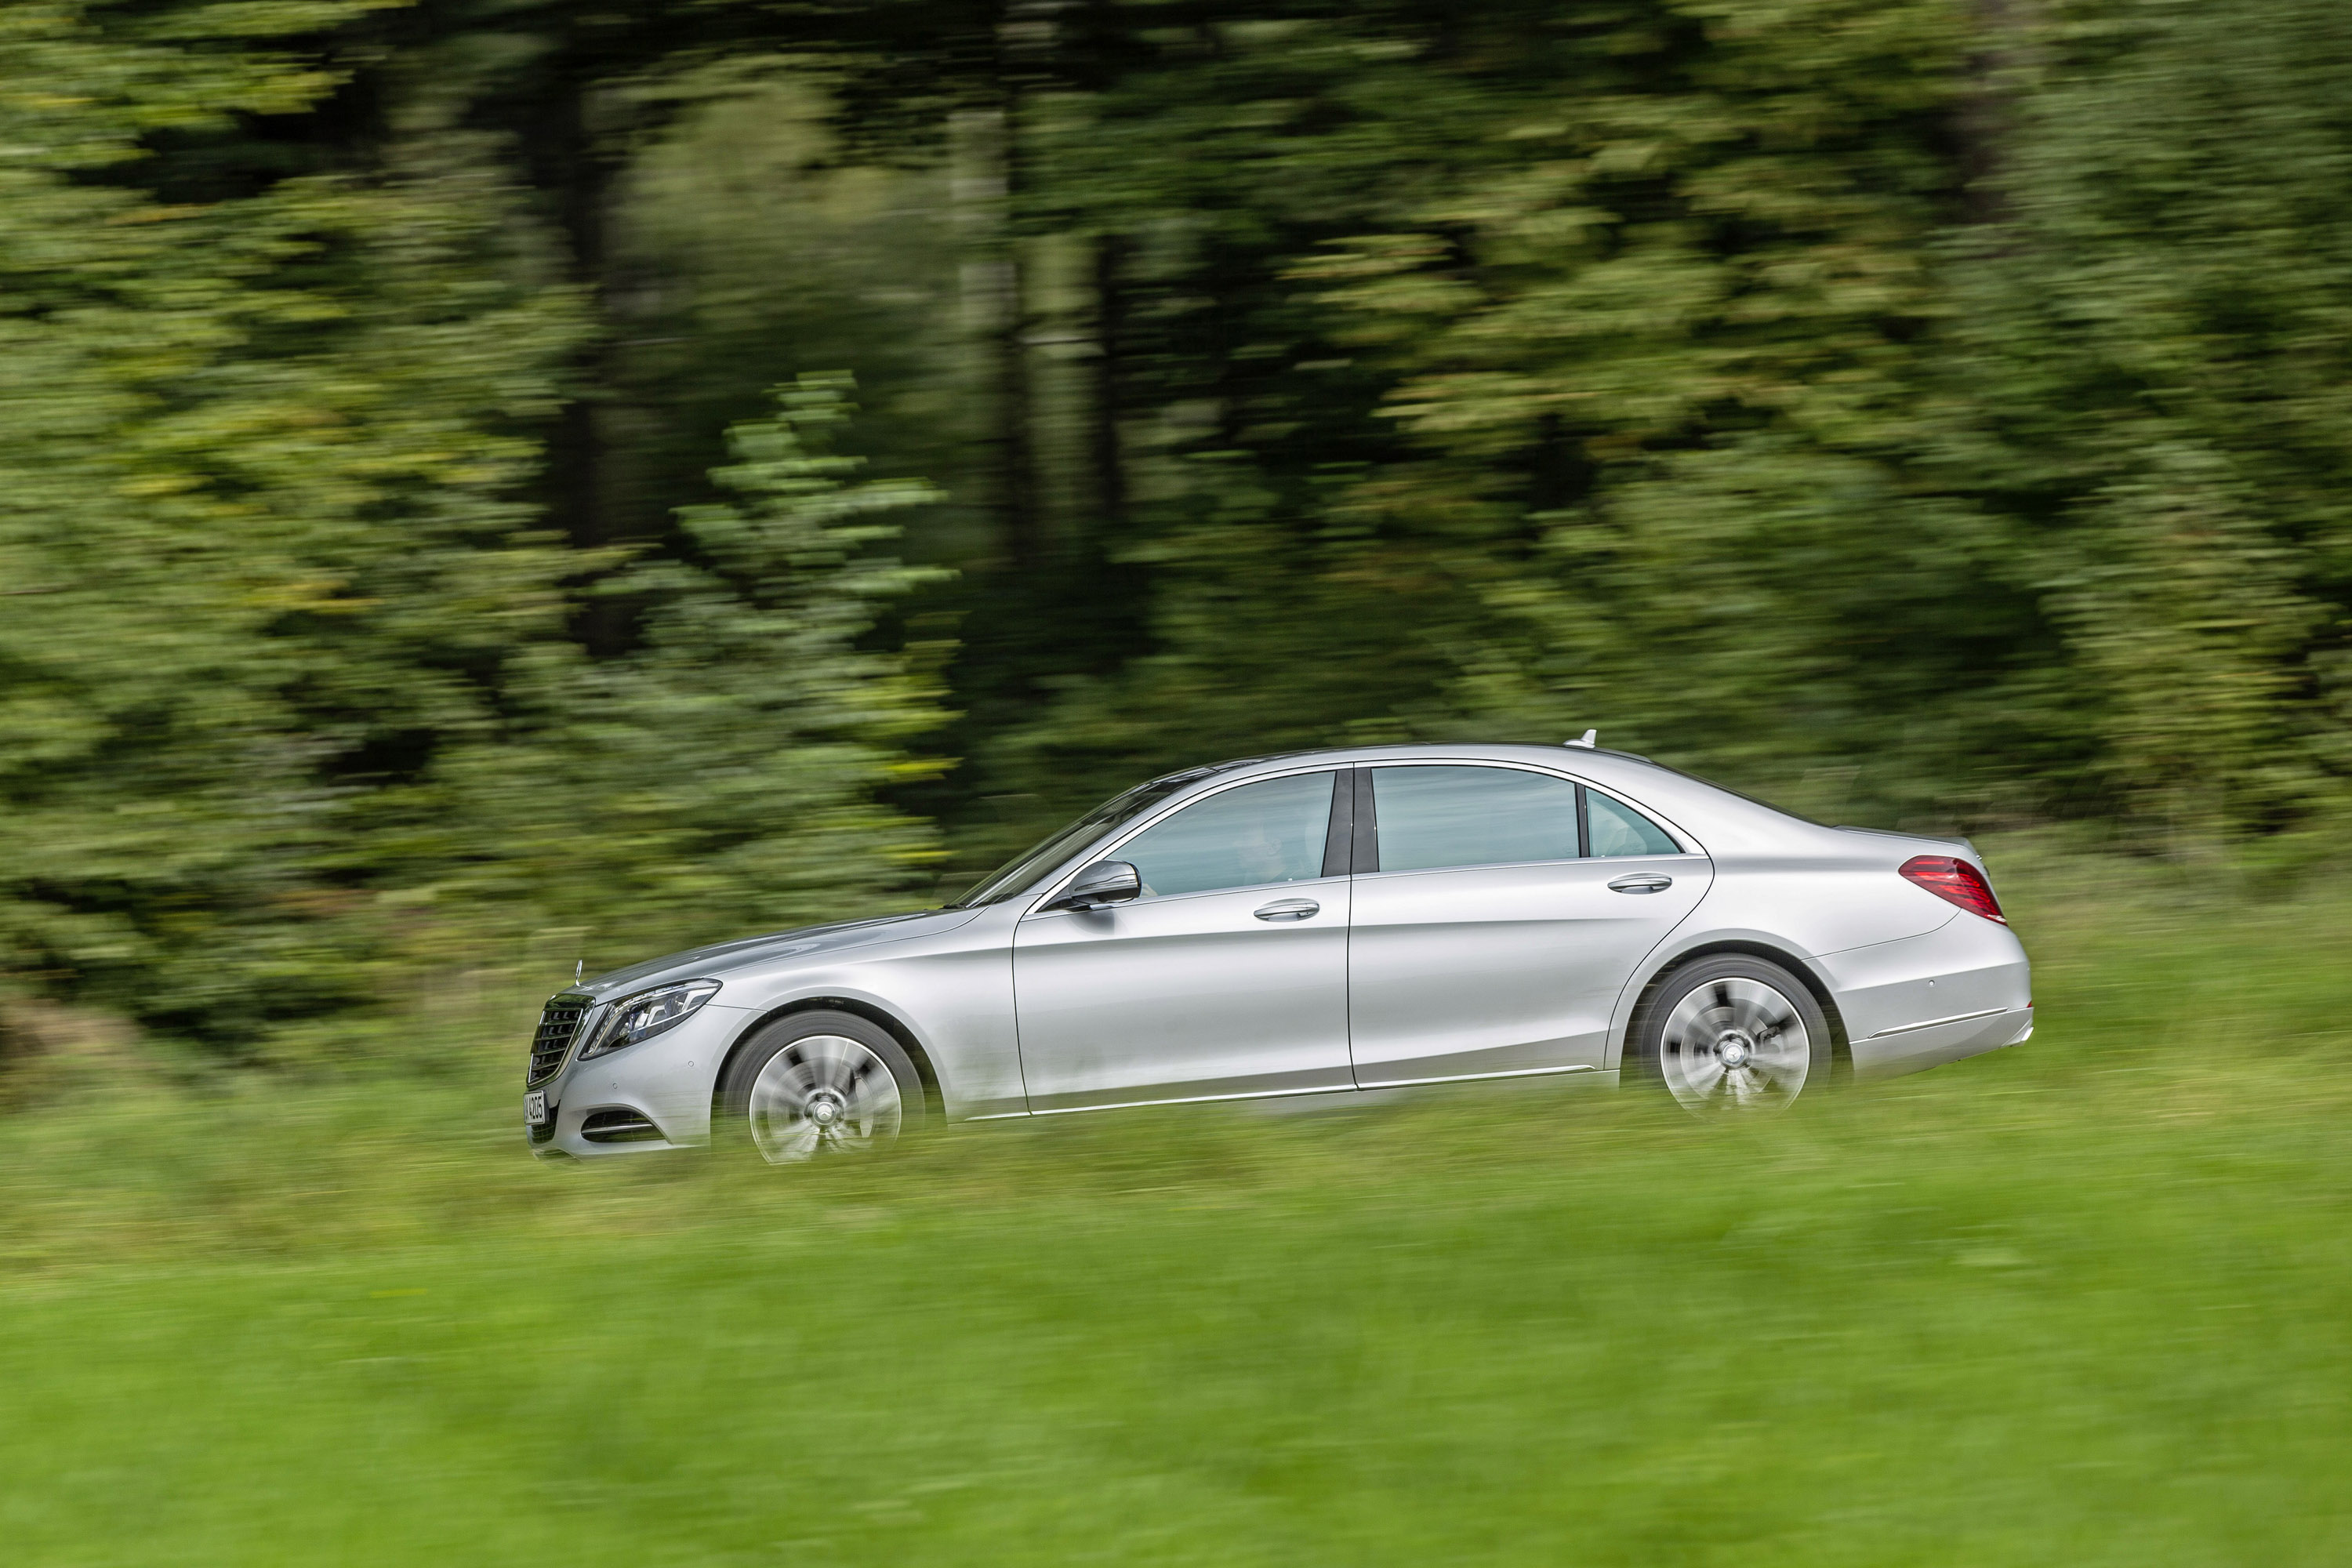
column 1955, row 882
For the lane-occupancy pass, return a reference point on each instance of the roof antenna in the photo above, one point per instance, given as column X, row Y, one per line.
column 1588, row 740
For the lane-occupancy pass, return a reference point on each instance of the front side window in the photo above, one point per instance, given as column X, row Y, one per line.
column 1621, row 830
column 1438, row 816
column 1272, row 831
column 1020, row 874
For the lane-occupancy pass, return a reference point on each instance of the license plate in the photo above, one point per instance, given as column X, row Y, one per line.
column 534, row 1108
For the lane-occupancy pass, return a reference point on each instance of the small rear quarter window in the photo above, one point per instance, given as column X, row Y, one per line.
column 1621, row 830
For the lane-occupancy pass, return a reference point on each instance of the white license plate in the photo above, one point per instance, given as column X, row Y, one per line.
column 534, row 1108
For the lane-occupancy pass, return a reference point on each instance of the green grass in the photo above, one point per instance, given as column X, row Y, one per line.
column 2089, row 1302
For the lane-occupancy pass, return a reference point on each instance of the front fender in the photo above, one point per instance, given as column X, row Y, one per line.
column 950, row 998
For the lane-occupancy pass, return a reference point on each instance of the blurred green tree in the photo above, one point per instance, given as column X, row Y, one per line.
column 721, row 776
column 1926, row 410
column 1921, row 409
column 261, row 538
column 1518, row 368
column 279, row 636
column 2149, row 361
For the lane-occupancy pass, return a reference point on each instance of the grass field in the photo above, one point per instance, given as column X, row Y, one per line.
column 2085, row 1302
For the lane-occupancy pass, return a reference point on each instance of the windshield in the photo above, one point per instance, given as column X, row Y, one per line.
column 1021, row 872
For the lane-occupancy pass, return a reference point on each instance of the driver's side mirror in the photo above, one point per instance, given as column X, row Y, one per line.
column 1104, row 883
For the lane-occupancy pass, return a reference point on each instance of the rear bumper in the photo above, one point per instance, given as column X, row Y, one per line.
column 1922, row 1046
column 1961, row 989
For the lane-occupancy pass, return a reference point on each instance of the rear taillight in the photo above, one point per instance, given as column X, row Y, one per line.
column 1955, row 882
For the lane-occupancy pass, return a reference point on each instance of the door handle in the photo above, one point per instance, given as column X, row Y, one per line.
column 1641, row 882
column 1289, row 909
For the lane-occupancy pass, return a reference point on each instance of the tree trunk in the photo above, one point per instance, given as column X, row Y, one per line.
column 996, row 318
column 1111, row 323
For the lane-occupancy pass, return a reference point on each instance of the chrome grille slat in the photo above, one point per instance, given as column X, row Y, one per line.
column 552, row 1041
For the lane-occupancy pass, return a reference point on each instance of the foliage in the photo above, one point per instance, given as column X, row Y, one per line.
column 2154, row 342
column 1513, row 370
column 260, row 536
column 283, row 657
column 1919, row 411
column 721, row 775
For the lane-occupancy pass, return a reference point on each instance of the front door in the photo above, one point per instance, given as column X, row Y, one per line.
column 1227, row 976
column 1507, row 911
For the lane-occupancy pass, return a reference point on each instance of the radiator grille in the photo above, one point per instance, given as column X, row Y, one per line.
column 553, row 1041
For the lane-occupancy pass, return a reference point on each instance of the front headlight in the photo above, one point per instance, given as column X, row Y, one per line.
column 648, row 1014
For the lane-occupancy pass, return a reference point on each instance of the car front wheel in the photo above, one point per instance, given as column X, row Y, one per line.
column 818, row 1084
column 1733, row 1033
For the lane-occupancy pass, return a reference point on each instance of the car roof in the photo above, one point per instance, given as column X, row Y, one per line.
column 1421, row 750
column 1714, row 821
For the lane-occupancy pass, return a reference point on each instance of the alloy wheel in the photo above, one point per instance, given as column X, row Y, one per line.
column 1735, row 1044
column 822, row 1094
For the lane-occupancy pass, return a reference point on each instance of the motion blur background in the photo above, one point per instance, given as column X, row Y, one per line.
column 486, row 485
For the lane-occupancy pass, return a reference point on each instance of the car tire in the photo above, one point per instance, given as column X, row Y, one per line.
column 1732, row 1033
column 820, row 1084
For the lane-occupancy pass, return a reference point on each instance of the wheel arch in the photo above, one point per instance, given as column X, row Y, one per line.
column 1840, row 1052
column 880, row 1017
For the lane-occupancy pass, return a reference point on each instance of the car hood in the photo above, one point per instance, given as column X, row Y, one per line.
column 716, row 960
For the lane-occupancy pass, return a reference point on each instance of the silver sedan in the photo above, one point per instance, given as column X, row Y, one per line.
column 1316, row 923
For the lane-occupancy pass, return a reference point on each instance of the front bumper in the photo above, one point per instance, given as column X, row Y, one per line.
column 668, row 1080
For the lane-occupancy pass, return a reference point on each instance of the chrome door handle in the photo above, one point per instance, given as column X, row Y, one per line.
column 1289, row 909
column 1641, row 882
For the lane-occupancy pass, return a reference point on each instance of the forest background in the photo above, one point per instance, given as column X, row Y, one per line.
column 1920, row 412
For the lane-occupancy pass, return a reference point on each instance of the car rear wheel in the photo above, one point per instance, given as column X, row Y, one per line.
column 819, row 1085
column 1733, row 1033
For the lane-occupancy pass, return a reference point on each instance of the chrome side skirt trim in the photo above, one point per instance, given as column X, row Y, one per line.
column 1937, row 1023
column 1194, row 1100
column 1478, row 1076
column 1291, row 1093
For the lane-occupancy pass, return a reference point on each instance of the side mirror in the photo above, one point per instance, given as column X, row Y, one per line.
column 1104, row 883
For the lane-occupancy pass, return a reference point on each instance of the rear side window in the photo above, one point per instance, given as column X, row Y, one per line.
column 1272, row 831
column 1621, row 830
column 1438, row 816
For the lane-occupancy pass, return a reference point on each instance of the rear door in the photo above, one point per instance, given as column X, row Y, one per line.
column 1498, row 912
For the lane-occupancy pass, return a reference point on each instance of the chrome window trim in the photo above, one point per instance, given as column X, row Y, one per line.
column 1680, row 858
column 1107, row 848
